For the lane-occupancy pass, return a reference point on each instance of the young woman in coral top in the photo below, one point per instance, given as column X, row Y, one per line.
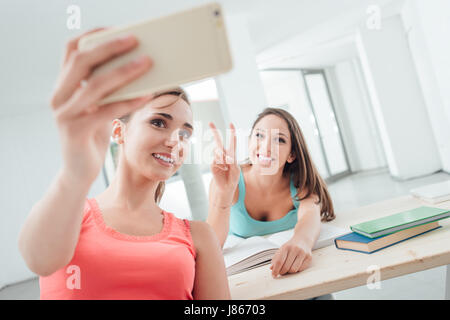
column 120, row 244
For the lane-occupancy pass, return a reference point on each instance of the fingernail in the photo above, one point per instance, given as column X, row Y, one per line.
column 229, row 159
column 127, row 38
column 140, row 61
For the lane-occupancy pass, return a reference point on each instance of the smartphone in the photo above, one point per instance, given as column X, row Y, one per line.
column 186, row 46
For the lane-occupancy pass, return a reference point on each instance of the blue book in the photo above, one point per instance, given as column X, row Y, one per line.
column 357, row 242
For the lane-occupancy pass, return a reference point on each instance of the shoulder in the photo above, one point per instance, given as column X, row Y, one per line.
column 312, row 201
column 312, row 197
column 203, row 235
column 89, row 207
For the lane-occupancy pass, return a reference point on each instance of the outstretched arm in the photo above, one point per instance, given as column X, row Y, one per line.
column 50, row 233
column 296, row 254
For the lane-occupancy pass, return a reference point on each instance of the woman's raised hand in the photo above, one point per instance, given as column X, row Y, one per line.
column 224, row 167
column 84, row 126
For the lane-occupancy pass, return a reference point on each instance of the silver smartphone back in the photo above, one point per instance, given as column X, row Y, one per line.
column 185, row 47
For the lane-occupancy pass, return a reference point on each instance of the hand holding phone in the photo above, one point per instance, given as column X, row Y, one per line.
column 84, row 126
column 185, row 47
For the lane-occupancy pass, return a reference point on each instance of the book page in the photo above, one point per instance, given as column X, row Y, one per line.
column 244, row 248
column 231, row 241
column 326, row 237
column 245, row 253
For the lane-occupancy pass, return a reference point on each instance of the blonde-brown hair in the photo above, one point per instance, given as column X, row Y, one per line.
column 303, row 171
column 181, row 94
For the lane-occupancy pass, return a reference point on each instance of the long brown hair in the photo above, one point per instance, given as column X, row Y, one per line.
column 181, row 94
column 305, row 175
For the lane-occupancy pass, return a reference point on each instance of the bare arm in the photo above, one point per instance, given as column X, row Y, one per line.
column 50, row 233
column 211, row 282
column 219, row 213
column 296, row 254
column 48, row 238
column 307, row 228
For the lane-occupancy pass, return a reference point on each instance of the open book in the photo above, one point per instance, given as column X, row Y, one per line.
column 243, row 254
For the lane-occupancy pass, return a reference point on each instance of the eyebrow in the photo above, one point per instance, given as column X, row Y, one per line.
column 168, row 116
column 280, row 133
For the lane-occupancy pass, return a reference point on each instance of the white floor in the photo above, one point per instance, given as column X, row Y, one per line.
column 350, row 192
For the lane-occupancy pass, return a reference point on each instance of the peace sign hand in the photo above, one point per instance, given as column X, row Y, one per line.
column 224, row 167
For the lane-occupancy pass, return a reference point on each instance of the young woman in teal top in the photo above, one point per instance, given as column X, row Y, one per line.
column 244, row 225
column 278, row 188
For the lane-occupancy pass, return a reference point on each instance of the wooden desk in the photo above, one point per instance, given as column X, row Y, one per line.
column 335, row 270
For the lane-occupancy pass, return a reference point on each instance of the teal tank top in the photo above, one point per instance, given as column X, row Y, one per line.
column 242, row 225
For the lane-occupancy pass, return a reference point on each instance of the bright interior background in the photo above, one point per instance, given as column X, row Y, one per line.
column 368, row 81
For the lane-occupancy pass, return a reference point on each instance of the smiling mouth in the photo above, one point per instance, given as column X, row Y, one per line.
column 264, row 159
column 163, row 159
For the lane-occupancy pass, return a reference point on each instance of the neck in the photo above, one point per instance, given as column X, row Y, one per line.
column 131, row 193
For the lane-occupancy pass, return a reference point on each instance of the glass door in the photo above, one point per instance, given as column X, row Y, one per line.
column 327, row 126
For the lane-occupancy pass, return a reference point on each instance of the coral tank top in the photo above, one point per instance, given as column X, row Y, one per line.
column 110, row 265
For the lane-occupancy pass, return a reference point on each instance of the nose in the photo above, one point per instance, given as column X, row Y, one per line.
column 171, row 143
column 174, row 143
column 173, row 139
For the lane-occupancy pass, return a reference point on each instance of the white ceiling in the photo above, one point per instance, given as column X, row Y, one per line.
column 33, row 33
column 326, row 39
column 272, row 21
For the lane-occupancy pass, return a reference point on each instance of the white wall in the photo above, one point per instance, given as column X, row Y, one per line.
column 428, row 30
column 241, row 93
column 30, row 159
column 397, row 99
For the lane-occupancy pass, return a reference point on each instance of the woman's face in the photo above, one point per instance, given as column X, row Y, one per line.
column 270, row 144
column 156, row 139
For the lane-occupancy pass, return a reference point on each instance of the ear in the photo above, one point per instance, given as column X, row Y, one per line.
column 291, row 158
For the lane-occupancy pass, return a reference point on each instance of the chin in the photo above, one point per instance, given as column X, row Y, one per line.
column 159, row 175
column 267, row 170
column 160, row 178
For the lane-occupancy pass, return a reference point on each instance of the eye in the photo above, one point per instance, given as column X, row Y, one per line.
column 259, row 135
column 158, row 123
column 281, row 140
column 184, row 134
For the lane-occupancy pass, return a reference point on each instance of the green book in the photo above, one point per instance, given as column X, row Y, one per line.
column 399, row 221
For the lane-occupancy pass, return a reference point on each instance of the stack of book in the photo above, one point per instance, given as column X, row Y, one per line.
column 374, row 235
